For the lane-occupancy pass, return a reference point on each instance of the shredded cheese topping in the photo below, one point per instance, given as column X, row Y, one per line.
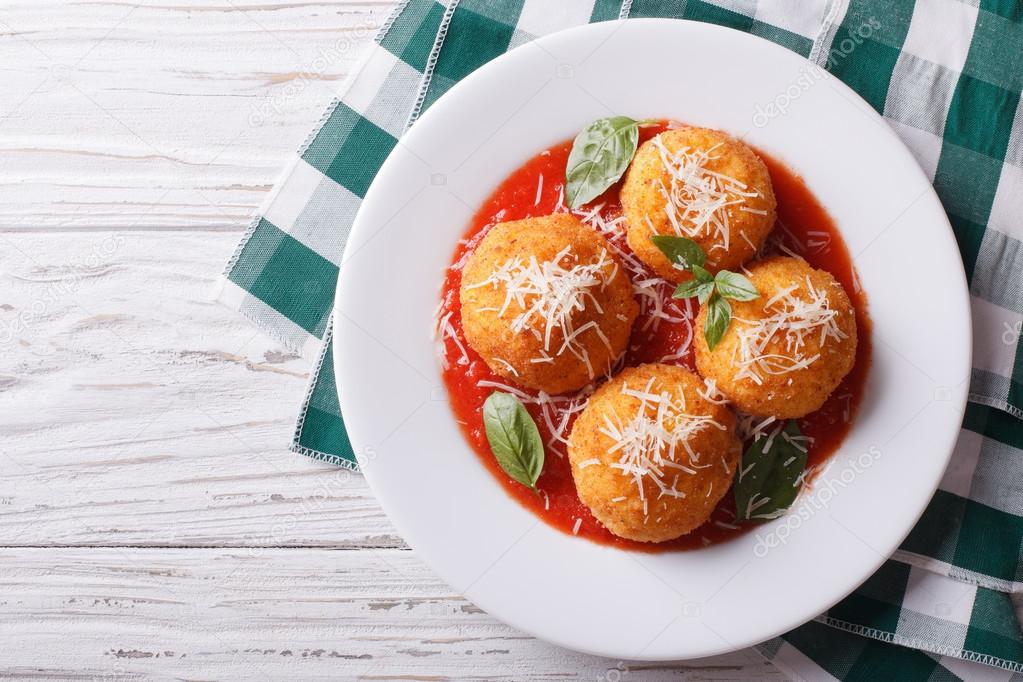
column 793, row 319
column 697, row 198
column 655, row 444
column 442, row 331
column 555, row 411
column 753, row 429
column 550, row 295
column 652, row 292
column 711, row 394
column 749, row 427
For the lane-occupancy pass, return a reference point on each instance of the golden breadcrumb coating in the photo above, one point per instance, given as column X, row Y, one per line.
column 546, row 303
column 702, row 157
column 651, row 456
column 786, row 351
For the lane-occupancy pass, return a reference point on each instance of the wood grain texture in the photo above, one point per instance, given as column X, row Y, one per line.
column 138, row 413
column 158, row 115
column 272, row 614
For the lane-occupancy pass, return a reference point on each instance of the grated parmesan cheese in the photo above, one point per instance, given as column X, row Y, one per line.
column 550, row 295
column 443, row 330
column 711, row 394
column 550, row 407
column 697, row 200
column 654, row 444
column 791, row 318
column 507, row 365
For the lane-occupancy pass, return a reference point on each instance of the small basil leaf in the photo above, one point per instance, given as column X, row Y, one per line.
column 514, row 438
column 681, row 250
column 706, row 289
column 600, row 154
column 734, row 286
column 691, row 288
column 719, row 315
column 701, row 274
column 770, row 473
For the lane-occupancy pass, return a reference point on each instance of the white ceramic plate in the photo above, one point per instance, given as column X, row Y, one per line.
column 569, row 590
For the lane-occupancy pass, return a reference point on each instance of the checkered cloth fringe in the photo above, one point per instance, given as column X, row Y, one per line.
column 947, row 76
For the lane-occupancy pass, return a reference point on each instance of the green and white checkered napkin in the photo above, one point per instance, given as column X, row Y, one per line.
column 946, row 74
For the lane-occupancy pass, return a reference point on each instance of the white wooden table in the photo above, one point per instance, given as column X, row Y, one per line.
column 152, row 521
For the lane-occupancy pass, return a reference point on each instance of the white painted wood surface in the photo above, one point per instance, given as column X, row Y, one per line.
column 152, row 522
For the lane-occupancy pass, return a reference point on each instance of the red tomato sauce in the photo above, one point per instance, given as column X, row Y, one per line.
column 803, row 226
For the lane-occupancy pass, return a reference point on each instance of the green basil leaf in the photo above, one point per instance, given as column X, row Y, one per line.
column 706, row 289
column 701, row 274
column 734, row 286
column 600, row 154
column 680, row 250
column 771, row 470
column 514, row 438
column 693, row 287
column 719, row 315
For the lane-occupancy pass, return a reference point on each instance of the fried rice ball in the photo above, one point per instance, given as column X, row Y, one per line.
column 651, row 456
column 702, row 184
column 546, row 303
column 786, row 351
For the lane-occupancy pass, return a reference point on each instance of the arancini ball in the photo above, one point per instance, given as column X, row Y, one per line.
column 702, row 184
column 546, row 303
column 787, row 350
column 651, row 454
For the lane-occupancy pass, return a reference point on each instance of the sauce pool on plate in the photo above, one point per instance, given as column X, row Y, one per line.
column 662, row 333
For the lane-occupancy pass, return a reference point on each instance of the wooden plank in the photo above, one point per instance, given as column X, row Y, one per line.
column 162, row 115
column 136, row 411
column 276, row 614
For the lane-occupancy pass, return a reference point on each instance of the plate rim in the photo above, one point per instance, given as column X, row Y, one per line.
column 961, row 280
